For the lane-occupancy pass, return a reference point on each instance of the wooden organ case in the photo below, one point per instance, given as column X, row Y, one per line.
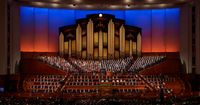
column 99, row 36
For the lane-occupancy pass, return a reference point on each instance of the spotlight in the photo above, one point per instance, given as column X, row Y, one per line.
column 100, row 15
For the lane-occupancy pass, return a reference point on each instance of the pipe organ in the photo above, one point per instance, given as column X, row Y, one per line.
column 99, row 37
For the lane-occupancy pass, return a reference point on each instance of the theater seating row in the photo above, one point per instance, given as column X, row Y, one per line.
column 42, row 83
column 94, row 83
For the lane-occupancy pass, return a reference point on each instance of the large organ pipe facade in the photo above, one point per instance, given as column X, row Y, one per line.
column 102, row 37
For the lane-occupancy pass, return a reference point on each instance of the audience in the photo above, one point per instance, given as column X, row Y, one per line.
column 43, row 83
column 101, row 101
column 145, row 61
column 116, row 66
column 57, row 62
column 51, row 83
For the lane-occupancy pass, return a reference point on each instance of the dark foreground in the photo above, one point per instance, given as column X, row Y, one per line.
column 108, row 101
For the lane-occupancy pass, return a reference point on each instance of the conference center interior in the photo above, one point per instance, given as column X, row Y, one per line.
column 100, row 52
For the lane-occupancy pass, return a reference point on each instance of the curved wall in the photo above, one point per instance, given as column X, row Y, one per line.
column 39, row 27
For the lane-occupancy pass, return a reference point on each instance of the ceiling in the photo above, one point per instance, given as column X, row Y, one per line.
column 104, row 4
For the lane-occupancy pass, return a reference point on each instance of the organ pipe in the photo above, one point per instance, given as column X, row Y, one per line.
column 73, row 46
column 61, row 43
column 66, row 47
column 122, row 41
column 127, row 52
column 70, row 47
column 102, row 41
column 90, row 39
column 100, row 44
column 131, row 48
column 78, row 40
column 139, row 46
column 134, row 48
column 111, row 36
